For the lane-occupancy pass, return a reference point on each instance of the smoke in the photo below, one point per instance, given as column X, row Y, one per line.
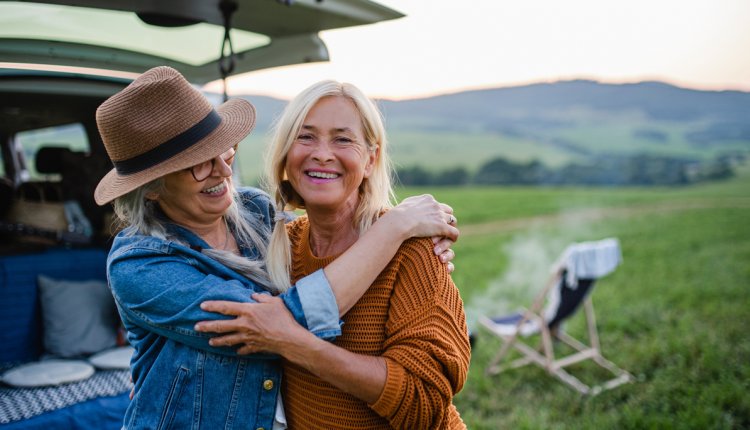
column 531, row 256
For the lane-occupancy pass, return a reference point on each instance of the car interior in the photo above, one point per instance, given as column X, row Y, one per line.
column 51, row 154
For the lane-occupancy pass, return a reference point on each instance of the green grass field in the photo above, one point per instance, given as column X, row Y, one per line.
column 443, row 150
column 674, row 314
column 437, row 151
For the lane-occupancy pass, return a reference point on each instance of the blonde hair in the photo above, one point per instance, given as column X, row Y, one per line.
column 139, row 216
column 375, row 192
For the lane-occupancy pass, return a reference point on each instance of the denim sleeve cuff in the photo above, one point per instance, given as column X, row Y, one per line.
column 319, row 305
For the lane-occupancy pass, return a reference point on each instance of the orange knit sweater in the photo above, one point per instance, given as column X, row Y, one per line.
column 413, row 316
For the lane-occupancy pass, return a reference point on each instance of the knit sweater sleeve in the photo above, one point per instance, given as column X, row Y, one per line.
column 427, row 349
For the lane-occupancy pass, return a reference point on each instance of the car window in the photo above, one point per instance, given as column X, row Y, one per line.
column 71, row 136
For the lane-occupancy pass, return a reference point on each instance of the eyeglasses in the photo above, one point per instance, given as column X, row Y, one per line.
column 203, row 170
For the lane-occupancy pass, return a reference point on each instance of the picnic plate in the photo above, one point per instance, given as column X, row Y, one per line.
column 48, row 372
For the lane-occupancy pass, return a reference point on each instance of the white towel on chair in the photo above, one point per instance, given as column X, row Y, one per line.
column 589, row 260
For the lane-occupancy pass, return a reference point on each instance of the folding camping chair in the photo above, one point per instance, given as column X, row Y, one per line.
column 572, row 279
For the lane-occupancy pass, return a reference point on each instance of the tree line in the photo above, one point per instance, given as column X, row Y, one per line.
column 630, row 170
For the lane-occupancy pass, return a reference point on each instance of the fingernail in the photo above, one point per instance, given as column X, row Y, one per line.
column 438, row 250
column 198, row 327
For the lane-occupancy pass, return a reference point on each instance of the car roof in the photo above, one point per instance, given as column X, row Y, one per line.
column 114, row 34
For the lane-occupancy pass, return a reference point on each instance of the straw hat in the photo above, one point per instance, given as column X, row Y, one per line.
column 160, row 124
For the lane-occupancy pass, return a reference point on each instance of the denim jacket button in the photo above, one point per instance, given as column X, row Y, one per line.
column 260, row 428
column 267, row 384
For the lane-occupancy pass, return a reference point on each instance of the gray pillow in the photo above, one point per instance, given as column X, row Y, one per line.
column 79, row 317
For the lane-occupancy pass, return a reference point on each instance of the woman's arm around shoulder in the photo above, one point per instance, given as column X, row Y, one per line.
column 354, row 271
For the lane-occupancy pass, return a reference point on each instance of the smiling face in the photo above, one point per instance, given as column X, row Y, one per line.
column 191, row 203
column 330, row 157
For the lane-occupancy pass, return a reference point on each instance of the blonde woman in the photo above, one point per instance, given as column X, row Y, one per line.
column 404, row 350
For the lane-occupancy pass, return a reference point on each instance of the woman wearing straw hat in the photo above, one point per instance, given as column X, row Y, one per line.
column 190, row 236
column 404, row 351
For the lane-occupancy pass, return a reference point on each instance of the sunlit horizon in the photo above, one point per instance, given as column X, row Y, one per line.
column 240, row 90
column 442, row 47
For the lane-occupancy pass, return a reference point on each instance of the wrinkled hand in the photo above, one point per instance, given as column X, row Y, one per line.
column 263, row 326
column 424, row 216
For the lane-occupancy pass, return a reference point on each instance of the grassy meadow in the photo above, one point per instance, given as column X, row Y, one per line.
column 674, row 314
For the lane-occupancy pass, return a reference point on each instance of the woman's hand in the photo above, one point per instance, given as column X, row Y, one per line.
column 443, row 250
column 423, row 216
column 265, row 326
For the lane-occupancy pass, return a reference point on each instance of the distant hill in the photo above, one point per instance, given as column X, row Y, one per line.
column 557, row 123
column 657, row 100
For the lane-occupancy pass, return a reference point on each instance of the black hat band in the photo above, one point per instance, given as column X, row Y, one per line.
column 170, row 148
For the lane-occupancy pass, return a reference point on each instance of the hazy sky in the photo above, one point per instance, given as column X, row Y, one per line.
column 449, row 45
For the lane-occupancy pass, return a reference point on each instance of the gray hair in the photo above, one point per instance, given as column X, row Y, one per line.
column 138, row 215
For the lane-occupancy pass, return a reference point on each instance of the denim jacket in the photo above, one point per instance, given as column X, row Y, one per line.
column 180, row 381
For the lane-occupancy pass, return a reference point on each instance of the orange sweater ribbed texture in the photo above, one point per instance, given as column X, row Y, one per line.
column 413, row 316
